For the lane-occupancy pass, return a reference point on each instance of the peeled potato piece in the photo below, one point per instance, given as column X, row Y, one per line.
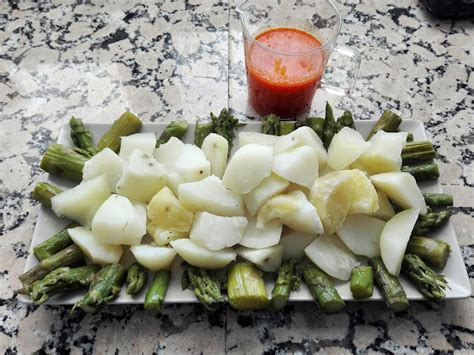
column 256, row 138
column 261, row 237
column 107, row 163
column 192, row 164
column 199, row 256
column 385, row 211
column 364, row 196
column 95, row 251
column 174, row 178
column 394, row 239
column 331, row 256
column 118, row 221
column 153, row 257
column 210, row 195
column 346, row 146
column 82, row 202
column 294, row 244
column 266, row 259
column 162, row 236
column 169, row 152
column 144, row 142
column 298, row 165
column 216, row 148
column 401, row 188
column 142, row 177
column 361, row 234
column 269, row 187
column 217, row 232
column 277, row 207
column 248, row 167
column 304, row 219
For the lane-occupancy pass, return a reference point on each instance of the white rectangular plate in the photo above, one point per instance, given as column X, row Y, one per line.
column 48, row 224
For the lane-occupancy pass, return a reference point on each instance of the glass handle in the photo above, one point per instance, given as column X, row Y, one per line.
column 342, row 71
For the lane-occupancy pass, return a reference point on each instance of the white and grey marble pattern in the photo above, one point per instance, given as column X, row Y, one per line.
column 183, row 59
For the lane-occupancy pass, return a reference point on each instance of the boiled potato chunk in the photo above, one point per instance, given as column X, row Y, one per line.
column 394, row 239
column 211, row 196
column 304, row 219
column 298, row 165
column 361, row 234
column 294, row 244
column 107, row 163
column 385, row 211
column 82, row 202
column 331, row 256
column 277, row 207
column 169, row 152
column 192, row 164
column 331, row 194
column 153, row 257
column 142, row 177
column 165, row 211
column 217, row 232
column 256, row 138
column 216, row 148
column 346, row 147
column 364, row 196
column 266, row 259
column 261, row 237
column 295, row 187
column 174, row 178
column 95, row 251
column 162, row 236
column 117, row 221
column 269, row 187
column 198, row 256
column 144, row 142
column 401, row 188
column 248, row 167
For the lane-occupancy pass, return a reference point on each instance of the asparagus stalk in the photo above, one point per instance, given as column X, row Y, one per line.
column 157, row 291
column 62, row 280
column 125, row 125
column 286, row 127
column 438, row 200
column 271, row 125
column 136, row 278
column 105, row 286
column 225, row 125
column 409, row 137
column 63, row 161
column 430, row 222
column 430, row 284
column 390, row 288
column 201, row 131
column 206, row 287
column 418, row 152
column 286, row 282
column 317, row 125
column 346, row 120
column 424, row 171
column 81, row 136
column 173, row 129
column 322, row 289
column 388, row 122
column 43, row 192
column 362, row 282
column 70, row 256
column 330, row 126
column 245, row 287
column 432, row 251
column 54, row 244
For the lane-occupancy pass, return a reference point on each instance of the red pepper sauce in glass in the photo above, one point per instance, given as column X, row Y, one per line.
column 280, row 83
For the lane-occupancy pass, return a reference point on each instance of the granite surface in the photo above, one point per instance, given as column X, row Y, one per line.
column 183, row 59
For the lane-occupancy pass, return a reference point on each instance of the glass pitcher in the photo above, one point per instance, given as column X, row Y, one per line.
column 287, row 45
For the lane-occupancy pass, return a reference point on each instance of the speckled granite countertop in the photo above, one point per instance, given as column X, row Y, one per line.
column 182, row 60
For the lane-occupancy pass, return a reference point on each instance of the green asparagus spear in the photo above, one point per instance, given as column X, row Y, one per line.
column 430, row 284
column 390, row 288
column 271, row 124
column 136, row 278
column 63, row 161
column 56, row 243
column 438, row 200
column 70, row 256
column 418, row 152
column 225, row 125
column 423, row 171
column 62, row 280
column 201, row 131
column 330, row 126
column 43, row 192
column 388, row 122
column 286, row 282
column 430, row 222
column 125, row 125
column 346, row 120
column 362, row 282
column 409, row 137
column 81, row 136
column 206, row 287
column 245, row 287
column 286, row 127
column 105, row 287
column 432, row 251
column 322, row 289
column 157, row 291
column 317, row 125
column 173, row 129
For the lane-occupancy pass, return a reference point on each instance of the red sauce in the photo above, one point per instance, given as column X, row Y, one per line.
column 280, row 83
